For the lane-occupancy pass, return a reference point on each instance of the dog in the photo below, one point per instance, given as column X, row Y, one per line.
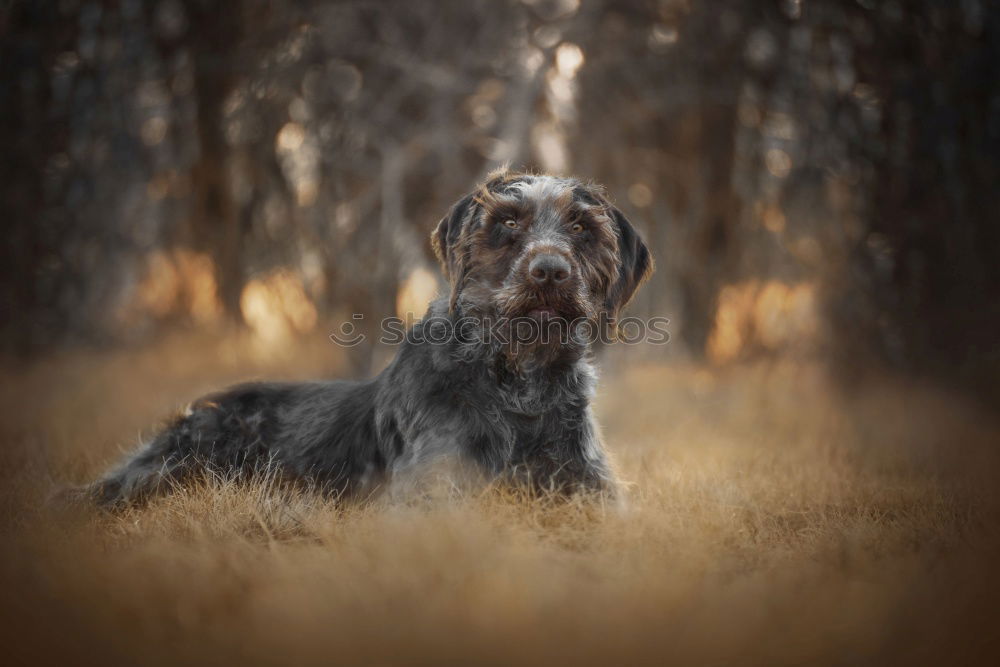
column 497, row 377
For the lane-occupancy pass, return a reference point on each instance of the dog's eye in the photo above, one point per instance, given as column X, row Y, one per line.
column 577, row 227
column 510, row 223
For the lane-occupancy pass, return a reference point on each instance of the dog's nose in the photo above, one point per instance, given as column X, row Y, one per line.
column 549, row 269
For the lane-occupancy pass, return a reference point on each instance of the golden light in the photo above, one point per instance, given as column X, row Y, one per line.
column 290, row 137
column 276, row 308
column 299, row 159
column 415, row 293
column 662, row 36
column 778, row 162
column 773, row 218
column 158, row 292
column 306, row 192
column 198, row 273
column 550, row 145
column 730, row 327
column 569, row 59
column 772, row 315
column 640, row 195
column 178, row 282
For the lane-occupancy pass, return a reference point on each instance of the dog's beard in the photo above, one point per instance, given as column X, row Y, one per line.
column 543, row 328
column 518, row 301
column 528, row 329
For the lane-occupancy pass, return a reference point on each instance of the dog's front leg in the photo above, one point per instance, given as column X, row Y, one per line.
column 434, row 464
column 572, row 463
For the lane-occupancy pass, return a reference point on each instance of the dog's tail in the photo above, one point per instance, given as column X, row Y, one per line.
column 154, row 468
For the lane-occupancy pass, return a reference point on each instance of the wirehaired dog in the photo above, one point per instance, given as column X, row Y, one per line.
column 496, row 377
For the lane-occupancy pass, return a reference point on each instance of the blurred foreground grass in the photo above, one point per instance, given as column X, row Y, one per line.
column 771, row 520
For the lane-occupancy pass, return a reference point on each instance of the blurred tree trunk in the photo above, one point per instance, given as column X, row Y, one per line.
column 712, row 238
column 217, row 29
column 717, row 208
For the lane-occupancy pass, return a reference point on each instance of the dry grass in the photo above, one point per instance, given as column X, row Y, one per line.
column 771, row 520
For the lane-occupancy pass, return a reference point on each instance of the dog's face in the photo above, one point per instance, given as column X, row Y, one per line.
column 539, row 247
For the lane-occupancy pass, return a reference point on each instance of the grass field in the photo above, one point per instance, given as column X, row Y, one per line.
column 772, row 519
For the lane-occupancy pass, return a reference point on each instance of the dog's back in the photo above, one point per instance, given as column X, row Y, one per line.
column 320, row 432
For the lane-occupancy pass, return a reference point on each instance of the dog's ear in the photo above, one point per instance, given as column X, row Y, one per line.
column 636, row 264
column 445, row 241
column 445, row 236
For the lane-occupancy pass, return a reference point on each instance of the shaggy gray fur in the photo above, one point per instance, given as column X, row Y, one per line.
column 516, row 414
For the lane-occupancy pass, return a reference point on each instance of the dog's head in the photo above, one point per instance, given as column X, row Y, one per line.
column 542, row 248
